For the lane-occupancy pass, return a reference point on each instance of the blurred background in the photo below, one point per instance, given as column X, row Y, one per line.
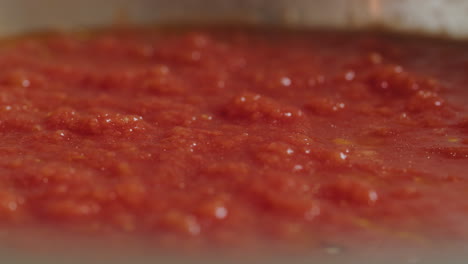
column 442, row 17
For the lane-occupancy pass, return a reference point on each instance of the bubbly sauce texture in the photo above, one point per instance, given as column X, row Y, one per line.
column 233, row 136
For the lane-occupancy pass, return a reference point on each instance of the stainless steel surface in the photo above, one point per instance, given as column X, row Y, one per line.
column 449, row 17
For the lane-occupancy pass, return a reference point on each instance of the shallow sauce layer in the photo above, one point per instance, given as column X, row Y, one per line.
column 234, row 136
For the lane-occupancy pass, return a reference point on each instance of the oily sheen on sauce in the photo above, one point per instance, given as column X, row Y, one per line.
column 230, row 136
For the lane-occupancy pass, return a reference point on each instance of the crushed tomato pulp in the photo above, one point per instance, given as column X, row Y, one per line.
column 232, row 136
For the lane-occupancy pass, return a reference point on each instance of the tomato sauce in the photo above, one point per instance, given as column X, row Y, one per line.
column 232, row 136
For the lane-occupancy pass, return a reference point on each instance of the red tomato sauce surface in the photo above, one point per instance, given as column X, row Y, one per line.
column 232, row 136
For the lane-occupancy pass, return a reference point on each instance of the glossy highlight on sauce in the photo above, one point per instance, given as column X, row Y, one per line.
column 231, row 136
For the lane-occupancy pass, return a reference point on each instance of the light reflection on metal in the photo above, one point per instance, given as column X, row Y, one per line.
column 375, row 9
